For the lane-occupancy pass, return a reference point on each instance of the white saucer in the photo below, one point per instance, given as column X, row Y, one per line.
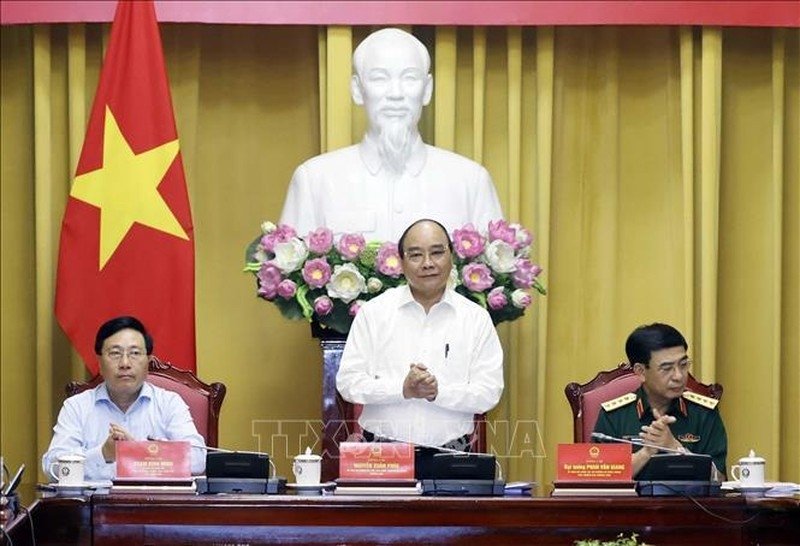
column 99, row 484
column 754, row 488
column 64, row 489
column 310, row 486
column 734, row 486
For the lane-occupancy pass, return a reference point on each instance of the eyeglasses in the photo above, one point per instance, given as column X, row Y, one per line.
column 668, row 368
column 116, row 355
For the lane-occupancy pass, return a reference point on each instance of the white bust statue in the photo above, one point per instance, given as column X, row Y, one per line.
column 391, row 178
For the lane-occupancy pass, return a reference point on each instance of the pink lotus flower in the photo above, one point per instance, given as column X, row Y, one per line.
column 523, row 239
column 287, row 289
column 525, row 273
column 388, row 260
column 497, row 298
column 323, row 305
column 280, row 234
column 317, row 272
column 320, row 241
column 351, row 245
column 477, row 277
column 269, row 277
column 467, row 242
column 355, row 307
column 499, row 229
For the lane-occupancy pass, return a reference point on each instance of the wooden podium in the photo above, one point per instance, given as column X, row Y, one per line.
column 337, row 415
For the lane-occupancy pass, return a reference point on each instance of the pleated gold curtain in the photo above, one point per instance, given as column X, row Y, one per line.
column 658, row 168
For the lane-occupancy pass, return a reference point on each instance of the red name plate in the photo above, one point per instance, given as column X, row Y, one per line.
column 594, row 462
column 377, row 460
column 153, row 460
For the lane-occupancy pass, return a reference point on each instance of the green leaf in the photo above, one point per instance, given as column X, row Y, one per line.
column 252, row 248
column 480, row 297
column 305, row 306
column 289, row 308
column 339, row 319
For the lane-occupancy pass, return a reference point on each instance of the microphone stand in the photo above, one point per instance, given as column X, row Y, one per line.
column 222, row 450
column 449, row 450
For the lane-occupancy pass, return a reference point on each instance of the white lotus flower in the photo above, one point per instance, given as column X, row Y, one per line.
column 500, row 256
column 374, row 285
column 291, row 255
column 346, row 283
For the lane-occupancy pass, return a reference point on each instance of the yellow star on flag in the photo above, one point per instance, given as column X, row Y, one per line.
column 125, row 189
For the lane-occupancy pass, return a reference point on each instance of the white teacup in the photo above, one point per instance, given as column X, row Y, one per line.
column 307, row 468
column 750, row 471
column 68, row 470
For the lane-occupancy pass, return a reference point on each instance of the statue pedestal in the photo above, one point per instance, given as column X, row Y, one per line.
column 336, row 413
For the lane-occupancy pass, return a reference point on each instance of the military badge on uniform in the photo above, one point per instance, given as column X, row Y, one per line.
column 705, row 401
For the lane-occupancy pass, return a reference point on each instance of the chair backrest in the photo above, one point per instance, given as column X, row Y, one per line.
column 204, row 400
column 585, row 399
column 352, row 412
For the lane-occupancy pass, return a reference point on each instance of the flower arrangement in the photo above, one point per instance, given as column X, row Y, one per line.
column 317, row 278
column 619, row 541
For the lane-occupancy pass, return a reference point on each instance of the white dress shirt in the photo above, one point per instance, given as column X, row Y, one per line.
column 83, row 422
column 349, row 191
column 458, row 343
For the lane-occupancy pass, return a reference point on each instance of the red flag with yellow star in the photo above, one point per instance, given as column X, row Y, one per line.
column 127, row 241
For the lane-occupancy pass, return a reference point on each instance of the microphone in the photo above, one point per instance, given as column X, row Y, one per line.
column 222, row 450
column 428, row 446
column 642, row 443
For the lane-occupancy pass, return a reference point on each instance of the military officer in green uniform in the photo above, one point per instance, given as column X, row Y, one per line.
column 661, row 411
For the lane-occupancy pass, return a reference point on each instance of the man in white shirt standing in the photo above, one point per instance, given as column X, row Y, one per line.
column 392, row 178
column 123, row 407
column 421, row 358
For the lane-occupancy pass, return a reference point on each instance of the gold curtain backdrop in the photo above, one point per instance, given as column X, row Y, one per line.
column 659, row 168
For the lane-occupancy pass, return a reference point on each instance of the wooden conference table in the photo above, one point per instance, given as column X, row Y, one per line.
column 128, row 519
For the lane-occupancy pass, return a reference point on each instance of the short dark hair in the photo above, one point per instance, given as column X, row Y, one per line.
column 111, row 327
column 402, row 240
column 652, row 337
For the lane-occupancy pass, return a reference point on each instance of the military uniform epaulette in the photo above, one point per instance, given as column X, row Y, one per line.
column 616, row 403
column 705, row 401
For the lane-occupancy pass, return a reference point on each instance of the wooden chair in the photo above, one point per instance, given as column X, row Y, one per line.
column 585, row 399
column 204, row 400
column 352, row 412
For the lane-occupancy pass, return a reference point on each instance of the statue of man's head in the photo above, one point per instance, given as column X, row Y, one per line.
column 392, row 81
